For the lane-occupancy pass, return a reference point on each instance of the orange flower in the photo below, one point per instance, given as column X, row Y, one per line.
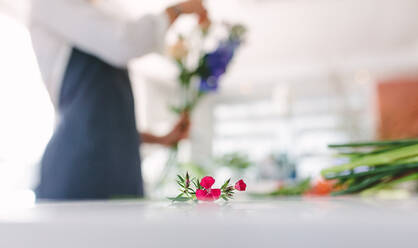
column 321, row 188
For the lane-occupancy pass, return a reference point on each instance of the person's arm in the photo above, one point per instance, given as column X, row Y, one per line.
column 114, row 40
column 179, row 132
column 187, row 7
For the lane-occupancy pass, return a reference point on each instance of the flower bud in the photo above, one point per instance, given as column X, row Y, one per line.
column 229, row 189
column 240, row 185
column 187, row 180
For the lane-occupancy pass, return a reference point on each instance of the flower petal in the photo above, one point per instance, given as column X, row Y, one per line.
column 202, row 195
column 240, row 185
column 207, row 182
column 208, row 195
column 215, row 194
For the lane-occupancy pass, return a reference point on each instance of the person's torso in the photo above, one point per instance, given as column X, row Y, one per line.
column 53, row 51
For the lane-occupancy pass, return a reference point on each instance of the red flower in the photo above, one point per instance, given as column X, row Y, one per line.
column 240, row 185
column 207, row 182
column 207, row 194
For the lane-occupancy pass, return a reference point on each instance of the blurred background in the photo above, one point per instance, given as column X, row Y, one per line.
column 311, row 73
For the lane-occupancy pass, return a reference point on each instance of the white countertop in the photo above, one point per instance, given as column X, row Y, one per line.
column 287, row 222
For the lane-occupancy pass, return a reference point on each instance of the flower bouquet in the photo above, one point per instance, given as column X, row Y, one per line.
column 193, row 189
column 200, row 75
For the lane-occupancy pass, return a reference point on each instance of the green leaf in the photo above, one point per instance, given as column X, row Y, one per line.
column 352, row 155
column 180, row 184
column 198, row 184
column 225, row 184
column 195, row 184
column 180, row 178
column 179, row 199
column 174, row 109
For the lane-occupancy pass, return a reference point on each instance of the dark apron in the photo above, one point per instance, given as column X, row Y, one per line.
column 94, row 152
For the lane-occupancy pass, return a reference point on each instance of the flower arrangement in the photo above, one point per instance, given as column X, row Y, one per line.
column 193, row 189
column 207, row 68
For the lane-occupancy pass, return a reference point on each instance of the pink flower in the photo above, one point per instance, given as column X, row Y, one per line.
column 207, row 182
column 207, row 194
column 240, row 185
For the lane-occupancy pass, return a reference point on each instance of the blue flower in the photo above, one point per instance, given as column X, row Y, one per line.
column 216, row 63
column 209, row 84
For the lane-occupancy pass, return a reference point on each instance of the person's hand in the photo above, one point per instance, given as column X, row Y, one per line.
column 188, row 7
column 194, row 7
column 179, row 132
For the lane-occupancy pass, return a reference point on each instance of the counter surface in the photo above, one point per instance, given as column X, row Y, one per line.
column 287, row 222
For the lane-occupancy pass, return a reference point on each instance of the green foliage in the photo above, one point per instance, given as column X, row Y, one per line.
column 237, row 31
column 386, row 164
column 187, row 192
column 227, row 191
column 390, row 143
column 234, row 160
column 293, row 190
column 381, row 158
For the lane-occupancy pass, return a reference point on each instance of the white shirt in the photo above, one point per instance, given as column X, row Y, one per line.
column 58, row 25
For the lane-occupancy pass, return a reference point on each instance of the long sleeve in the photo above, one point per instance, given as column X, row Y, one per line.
column 115, row 40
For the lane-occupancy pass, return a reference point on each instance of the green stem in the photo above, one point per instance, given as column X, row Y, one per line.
column 373, row 160
column 373, row 190
column 172, row 159
column 362, row 185
column 376, row 143
column 396, row 168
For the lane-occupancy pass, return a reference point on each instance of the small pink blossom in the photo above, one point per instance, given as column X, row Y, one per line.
column 207, row 194
column 240, row 185
column 207, row 182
